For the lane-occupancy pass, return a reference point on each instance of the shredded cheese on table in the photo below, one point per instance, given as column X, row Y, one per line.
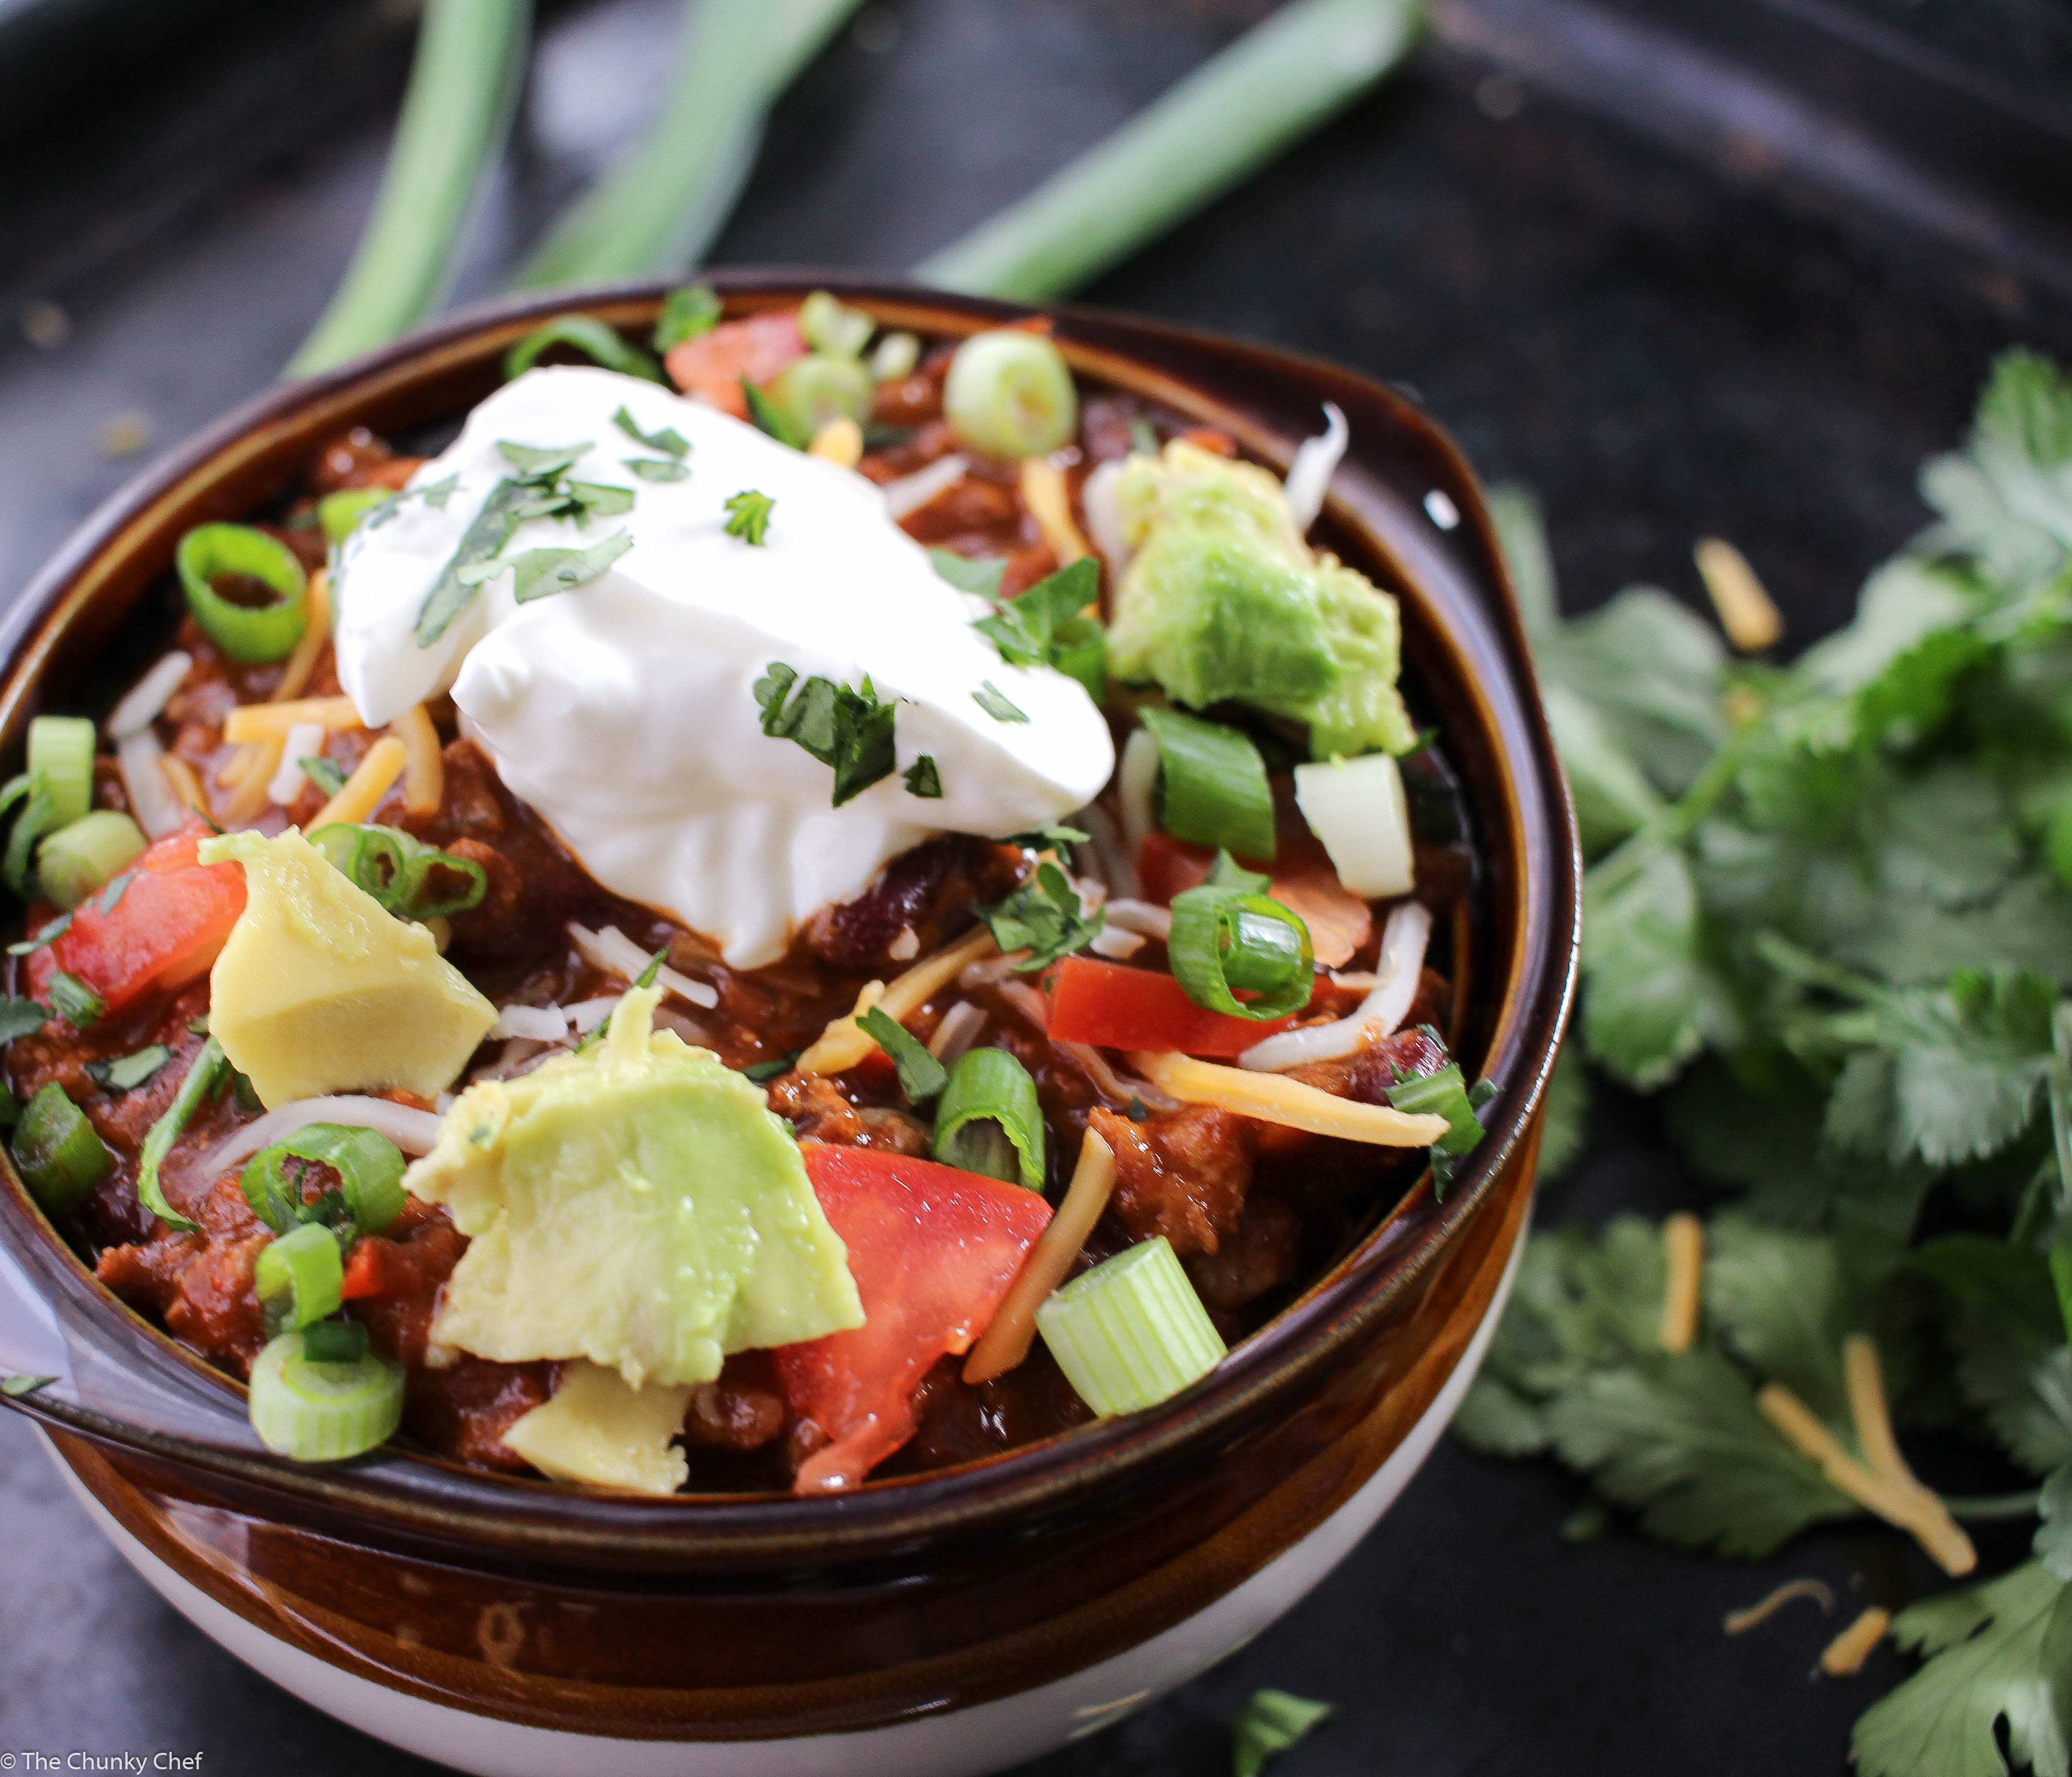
column 1683, row 1245
column 1843, row 1657
column 1272, row 1098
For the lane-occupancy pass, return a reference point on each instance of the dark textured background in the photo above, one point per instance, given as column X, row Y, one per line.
column 1681, row 304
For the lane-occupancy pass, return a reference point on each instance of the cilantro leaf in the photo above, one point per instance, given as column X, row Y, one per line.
column 658, row 469
column 18, row 1017
column 691, row 310
column 327, row 774
column 2007, row 497
column 126, row 1073
column 538, row 573
column 668, row 441
column 1045, row 917
column 501, row 514
column 924, row 779
column 1270, row 1722
column 748, row 516
column 74, row 1002
column 921, row 1076
column 1991, row 1650
column 989, row 699
column 848, row 729
column 981, row 574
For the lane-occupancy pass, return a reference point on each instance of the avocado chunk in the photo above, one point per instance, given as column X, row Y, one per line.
column 1223, row 599
column 637, row 1205
column 320, row 990
column 600, row 1430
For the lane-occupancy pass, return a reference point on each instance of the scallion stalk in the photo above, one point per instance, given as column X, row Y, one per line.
column 470, row 59
column 56, row 1152
column 1231, row 115
column 1212, row 788
column 988, row 1120
column 313, row 1411
column 298, row 1277
column 657, row 211
column 80, row 859
column 61, row 748
column 1132, row 1332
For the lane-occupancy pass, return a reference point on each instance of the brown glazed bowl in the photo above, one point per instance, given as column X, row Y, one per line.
column 953, row 1622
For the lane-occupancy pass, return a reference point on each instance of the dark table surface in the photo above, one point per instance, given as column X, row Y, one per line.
column 1666, row 341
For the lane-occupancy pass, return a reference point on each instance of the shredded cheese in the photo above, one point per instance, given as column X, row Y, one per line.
column 840, row 441
column 1871, row 1419
column 263, row 721
column 424, row 777
column 316, row 632
column 1746, row 613
column 1272, row 1098
column 252, row 792
column 1050, row 504
column 361, row 794
column 842, row 1046
column 1740, row 1622
column 1843, row 1657
column 1006, row 1343
column 186, row 785
column 1683, row 1245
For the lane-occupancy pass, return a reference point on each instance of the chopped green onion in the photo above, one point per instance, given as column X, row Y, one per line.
column 585, row 333
column 254, row 634
column 56, row 1152
column 773, row 417
column 748, row 516
column 993, row 702
column 1227, row 941
column 686, row 313
column 408, row 878
column 339, row 512
column 1213, row 788
column 20, row 1016
column 61, row 748
column 1445, row 1094
column 299, row 1276
column 819, row 387
column 1231, row 115
column 921, row 1076
column 335, row 1341
column 126, row 1073
column 988, row 1120
column 35, row 819
column 369, row 1166
column 830, row 327
column 313, row 1411
column 78, row 860
column 470, row 66
column 1131, row 1332
column 1270, row 1723
column 208, row 1065
column 1009, row 394
column 895, row 357
column 74, row 1002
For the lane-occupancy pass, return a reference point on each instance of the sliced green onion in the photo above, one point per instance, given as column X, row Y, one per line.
column 408, row 878
column 818, row 388
column 1212, row 784
column 1131, row 1332
column 1445, row 1094
column 34, row 820
column 773, row 416
column 254, row 634
column 74, row 1002
column 587, row 334
column 337, row 513
column 85, row 858
column 1009, row 394
column 686, row 313
column 316, row 1411
column 57, row 1154
column 369, row 1166
column 437, row 885
column 470, row 65
column 208, row 1066
column 895, row 357
column 20, row 1016
column 298, row 1277
column 656, row 211
column 988, row 1120
column 126, row 1073
column 61, row 748
column 1226, row 941
column 1228, row 117
column 831, row 327
column 335, row 1341
column 921, row 1076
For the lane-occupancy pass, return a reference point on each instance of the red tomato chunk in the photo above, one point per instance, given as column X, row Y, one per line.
column 1114, row 1007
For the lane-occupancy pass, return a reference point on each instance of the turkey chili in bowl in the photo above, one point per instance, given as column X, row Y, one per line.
column 820, row 907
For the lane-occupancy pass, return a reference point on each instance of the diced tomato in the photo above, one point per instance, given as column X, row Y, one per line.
column 932, row 1250
column 1339, row 921
column 1115, row 1007
column 711, row 366
column 363, row 1271
column 167, row 928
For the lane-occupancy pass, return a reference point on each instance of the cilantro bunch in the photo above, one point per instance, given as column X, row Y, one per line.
column 1828, row 917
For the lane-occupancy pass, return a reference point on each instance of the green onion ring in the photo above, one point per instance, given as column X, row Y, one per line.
column 305, row 1267
column 254, row 635
column 1226, row 941
column 369, row 1166
column 1009, row 393
column 313, row 1411
column 56, row 1152
column 990, row 1091
column 1212, row 784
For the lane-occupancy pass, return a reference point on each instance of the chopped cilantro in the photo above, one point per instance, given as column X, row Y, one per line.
column 921, row 1076
column 658, row 469
column 1270, row 1722
column 923, row 780
column 540, row 573
column 849, row 730
column 762, row 1072
column 1044, row 917
column 20, row 1388
column 49, row 932
column 1045, row 626
column 771, row 418
column 1046, row 838
column 668, row 441
column 111, row 897
column 686, row 313
column 74, row 1002
column 981, row 574
column 18, row 1017
column 748, row 516
column 327, row 774
column 989, row 699
column 125, row 1073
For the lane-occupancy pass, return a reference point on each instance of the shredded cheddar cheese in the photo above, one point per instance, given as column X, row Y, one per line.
column 263, row 721
column 1843, row 1657
column 1736, row 1622
column 1006, row 1343
column 1050, row 504
column 1683, row 1245
column 1271, row 1098
column 361, row 794
column 842, row 1045
column 424, row 775
column 316, row 632
column 1746, row 613
column 186, row 785
column 840, row 441
column 249, row 796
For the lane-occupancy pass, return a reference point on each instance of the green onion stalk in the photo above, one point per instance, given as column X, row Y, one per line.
column 1236, row 112
column 464, row 85
column 657, row 211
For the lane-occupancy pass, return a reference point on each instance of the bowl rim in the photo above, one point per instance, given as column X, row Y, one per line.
column 412, row 1493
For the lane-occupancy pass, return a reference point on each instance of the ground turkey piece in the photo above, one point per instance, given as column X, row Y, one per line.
column 1180, row 1173
column 199, row 1285
column 1259, row 1255
column 817, row 1111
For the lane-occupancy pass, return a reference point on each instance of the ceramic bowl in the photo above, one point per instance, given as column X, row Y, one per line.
column 955, row 1622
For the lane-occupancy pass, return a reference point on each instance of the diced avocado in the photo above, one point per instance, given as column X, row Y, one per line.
column 320, row 989
column 637, row 1205
column 1223, row 599
column 599, row 1430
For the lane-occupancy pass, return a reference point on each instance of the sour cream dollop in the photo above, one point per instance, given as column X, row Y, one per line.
column 623, row 711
